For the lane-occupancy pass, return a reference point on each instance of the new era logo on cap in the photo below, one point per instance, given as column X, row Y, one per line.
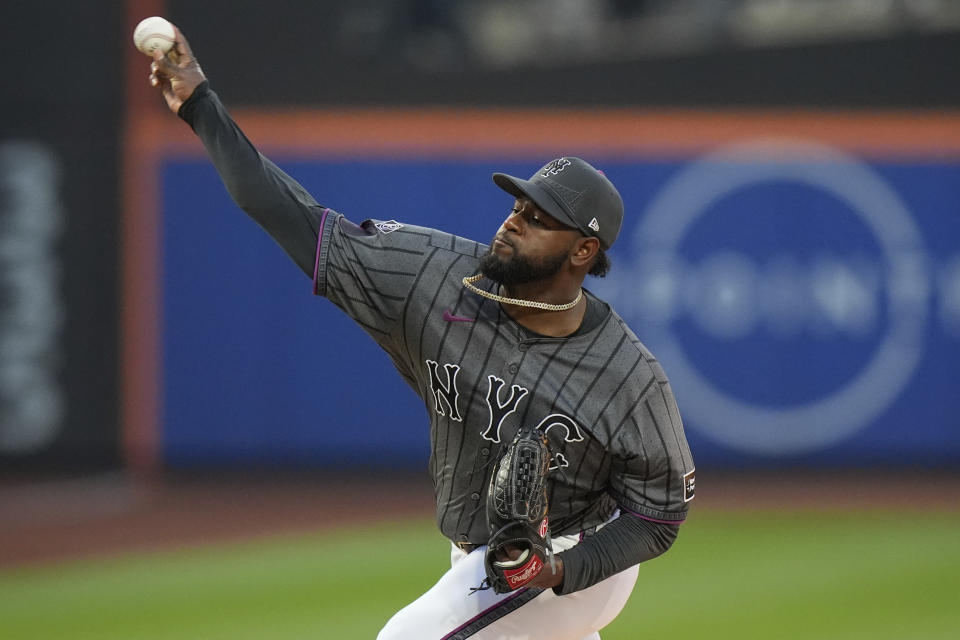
column 573, row 192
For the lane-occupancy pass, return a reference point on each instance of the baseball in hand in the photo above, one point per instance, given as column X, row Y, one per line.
column 153, row 33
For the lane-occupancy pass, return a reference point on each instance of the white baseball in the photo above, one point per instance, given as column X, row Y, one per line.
column 153, row 33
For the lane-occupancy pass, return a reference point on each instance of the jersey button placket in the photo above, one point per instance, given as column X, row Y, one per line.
column 513, row 368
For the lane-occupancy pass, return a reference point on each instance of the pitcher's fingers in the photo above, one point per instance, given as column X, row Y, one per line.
column 181, row 45
column 162, row 65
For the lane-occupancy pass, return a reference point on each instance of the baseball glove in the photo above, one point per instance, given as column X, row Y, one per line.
column 519, row 543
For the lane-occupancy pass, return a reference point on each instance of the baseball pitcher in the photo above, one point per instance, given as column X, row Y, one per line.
column 557, row 452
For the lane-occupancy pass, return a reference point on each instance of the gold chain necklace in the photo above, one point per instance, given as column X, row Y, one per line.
column 469, row 280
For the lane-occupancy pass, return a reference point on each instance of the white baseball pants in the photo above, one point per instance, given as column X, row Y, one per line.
column 450, row 611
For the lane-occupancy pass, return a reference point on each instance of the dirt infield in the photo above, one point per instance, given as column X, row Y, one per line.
column 53, row 521
column 67, row 519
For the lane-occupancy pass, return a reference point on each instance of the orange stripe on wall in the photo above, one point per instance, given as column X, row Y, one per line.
column 536, row 133
column 140, row 250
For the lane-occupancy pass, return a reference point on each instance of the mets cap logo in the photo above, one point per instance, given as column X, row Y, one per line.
column 554, row 167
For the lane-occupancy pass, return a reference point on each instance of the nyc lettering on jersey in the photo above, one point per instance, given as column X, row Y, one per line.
column 500, row 404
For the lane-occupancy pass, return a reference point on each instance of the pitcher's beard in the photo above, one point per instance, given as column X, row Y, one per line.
column 520, row 269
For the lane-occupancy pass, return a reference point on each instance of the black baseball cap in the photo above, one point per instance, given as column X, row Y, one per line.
column 573, row 192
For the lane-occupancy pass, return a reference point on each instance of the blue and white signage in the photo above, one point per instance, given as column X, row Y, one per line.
column 805, row 303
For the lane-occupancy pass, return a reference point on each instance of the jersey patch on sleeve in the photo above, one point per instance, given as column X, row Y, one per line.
column 389, row 226
column 689, row 485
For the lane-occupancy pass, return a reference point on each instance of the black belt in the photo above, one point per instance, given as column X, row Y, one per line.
column 466, row 547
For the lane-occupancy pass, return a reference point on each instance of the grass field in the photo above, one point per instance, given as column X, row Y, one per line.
column 759, row 574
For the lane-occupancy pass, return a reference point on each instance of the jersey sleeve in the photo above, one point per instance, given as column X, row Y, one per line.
column 369, row 270
column 273, row 199
column 624, row 542
column 652, row 473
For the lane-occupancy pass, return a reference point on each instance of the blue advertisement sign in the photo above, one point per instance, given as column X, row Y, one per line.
column 805, row 303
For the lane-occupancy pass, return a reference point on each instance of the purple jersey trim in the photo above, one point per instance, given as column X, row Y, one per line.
column 316, row 260
column 640, row 515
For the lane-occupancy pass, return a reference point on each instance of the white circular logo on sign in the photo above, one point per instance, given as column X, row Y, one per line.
column 809, row 425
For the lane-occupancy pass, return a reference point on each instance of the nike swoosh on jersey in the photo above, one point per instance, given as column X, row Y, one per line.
column 449, row 317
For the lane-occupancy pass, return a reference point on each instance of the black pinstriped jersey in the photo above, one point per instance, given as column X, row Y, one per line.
column 603, row 400
column 615, row 433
